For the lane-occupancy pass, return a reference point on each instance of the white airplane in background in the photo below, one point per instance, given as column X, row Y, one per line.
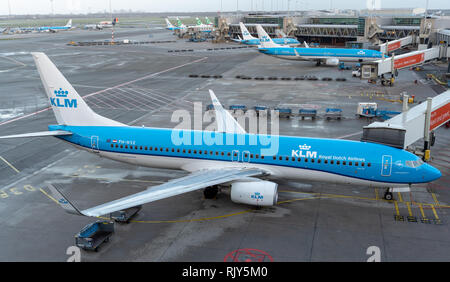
column 251, row 170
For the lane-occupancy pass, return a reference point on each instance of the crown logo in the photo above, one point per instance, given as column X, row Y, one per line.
column 61, row 93
column 304, row 147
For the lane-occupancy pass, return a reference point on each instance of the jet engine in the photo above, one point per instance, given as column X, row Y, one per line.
column 255, row 193
column 332, row 61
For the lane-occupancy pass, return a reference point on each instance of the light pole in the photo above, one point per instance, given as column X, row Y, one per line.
column 9, row 8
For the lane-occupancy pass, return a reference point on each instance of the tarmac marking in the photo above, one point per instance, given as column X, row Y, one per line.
column 434, row 212
column 10, row 165
column 422, row 212
column 50, row 197
column 435, row 199
column 400, row 197
column 408, row 205
column 110, row 88
column 397, row 211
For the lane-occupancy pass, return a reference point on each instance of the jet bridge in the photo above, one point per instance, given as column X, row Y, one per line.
column 411, row 125
column 380, row 68
column 391, row 46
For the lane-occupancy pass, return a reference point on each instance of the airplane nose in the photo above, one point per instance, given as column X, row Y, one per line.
column 432, row 173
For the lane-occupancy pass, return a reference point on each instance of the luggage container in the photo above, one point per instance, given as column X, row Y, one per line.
column 284, row 112
column 312, row 113
column 333, row 113
column 94, row 234
column 125, row 215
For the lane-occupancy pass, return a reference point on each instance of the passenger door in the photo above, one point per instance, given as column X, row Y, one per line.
column 386, row 165
column 94, row 144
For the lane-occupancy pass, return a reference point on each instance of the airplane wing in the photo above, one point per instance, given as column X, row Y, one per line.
column 225, row 121
column 191, row 182
column 39, row 134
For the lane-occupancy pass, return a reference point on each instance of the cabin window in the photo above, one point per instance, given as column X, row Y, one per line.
column 189, row 151
column 325, row 161
column 281, row 158
column 274, row 157
column 338, row 162
column 135, row 147
column 293, row 159
column 299, row 159
column 349, row 163
column 356, row 163
column 368, row 164
column 161, row 149
column 167, row 149
column 318, row 161
column 126, row 146
column 228, row 154
column 150, row 148
column 200, row 152
column 145, row 148
column 112, row 145
column 235, row 154
column 178, row 150
column 306, row 160
column 222, row 153
column 117, row 146
column 262, row 157
column 251, row 155
column 195, row 151
column 312, row 160
column 211, row 152
column 344, row 162
column 362, row 164
column 121, row 146
column 246, row 155
column 141, row 147
column 331, row 162
column 206, row 152
column 257, row 156
column 217, row 153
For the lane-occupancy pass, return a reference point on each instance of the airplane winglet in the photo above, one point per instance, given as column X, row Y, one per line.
column 225, row 121
column 63, row 202
column 306, row 44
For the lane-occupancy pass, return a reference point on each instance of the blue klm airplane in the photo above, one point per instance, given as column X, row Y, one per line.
column 329, row 56
column 248, row 39
column 55, row 28
column 235, row 159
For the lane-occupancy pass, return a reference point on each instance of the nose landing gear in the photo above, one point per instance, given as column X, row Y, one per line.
column 388, row 194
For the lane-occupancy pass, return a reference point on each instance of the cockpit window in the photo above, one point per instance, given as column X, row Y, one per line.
column 414, row 164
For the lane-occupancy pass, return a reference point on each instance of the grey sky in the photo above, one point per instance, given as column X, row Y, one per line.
column 84, row 6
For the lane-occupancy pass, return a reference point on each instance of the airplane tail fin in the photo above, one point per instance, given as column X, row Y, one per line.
column 264, row 38
column 169, row 24
column 69, row 23
column 68, row 106
column 245, row 34
column 199, row 22
column 208, row 22
column 179, row 23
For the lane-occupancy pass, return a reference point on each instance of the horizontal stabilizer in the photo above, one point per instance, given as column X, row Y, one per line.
column 39, row 134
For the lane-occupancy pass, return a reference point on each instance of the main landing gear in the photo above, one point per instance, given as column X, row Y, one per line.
column 211, row 192
column 388, row 194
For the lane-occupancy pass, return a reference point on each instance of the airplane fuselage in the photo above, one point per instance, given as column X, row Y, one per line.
column 285, row 41
column 296, row 158
column 310, row 54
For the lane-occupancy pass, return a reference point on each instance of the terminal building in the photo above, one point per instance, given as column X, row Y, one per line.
column 346, row 29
